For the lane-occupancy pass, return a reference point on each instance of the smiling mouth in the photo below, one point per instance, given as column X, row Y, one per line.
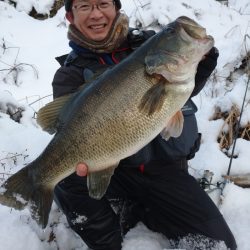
column 97, row 26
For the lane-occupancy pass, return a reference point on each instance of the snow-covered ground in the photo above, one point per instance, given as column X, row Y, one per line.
column 27, row 65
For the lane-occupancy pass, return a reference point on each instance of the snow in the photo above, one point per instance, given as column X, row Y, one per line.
column 27, row 65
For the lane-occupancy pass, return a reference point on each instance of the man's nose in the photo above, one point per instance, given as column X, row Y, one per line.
column 95, row 12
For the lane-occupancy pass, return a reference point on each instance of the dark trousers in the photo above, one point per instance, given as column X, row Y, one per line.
column 170, row 202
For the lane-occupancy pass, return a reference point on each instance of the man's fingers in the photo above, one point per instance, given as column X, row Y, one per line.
column 81, row 169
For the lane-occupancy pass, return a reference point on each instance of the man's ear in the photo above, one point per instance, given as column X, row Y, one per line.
column 70, row 17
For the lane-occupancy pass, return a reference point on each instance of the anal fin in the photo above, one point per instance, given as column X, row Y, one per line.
column 98, row 182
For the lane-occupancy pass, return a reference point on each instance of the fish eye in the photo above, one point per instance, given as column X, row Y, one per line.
column 171, row 30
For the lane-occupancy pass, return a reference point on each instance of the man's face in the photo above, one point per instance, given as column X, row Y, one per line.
column 93, row 18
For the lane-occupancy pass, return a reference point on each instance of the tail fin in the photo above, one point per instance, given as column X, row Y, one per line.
column 21, row 190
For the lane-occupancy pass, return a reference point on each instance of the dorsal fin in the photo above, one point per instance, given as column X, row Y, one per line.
column 47, row 116
column 52, row 115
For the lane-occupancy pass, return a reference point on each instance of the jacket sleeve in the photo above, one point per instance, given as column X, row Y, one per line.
column 67, row 79
column 205, row 69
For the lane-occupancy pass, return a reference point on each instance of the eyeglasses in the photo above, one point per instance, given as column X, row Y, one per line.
column 87, row 8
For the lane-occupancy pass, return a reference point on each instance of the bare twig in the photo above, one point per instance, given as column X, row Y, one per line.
column 14, row 156
column 4, row 47
column 16, row 68
column 231, row 31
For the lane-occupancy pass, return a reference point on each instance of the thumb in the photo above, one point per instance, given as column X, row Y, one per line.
column 81, row 169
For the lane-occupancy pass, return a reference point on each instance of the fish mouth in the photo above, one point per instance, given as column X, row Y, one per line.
column 193, row 30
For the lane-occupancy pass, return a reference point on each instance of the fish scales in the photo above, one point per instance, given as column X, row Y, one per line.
column 113, row 117
column 117, row 117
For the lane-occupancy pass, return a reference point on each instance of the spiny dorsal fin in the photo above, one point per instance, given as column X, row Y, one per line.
column 47, row 116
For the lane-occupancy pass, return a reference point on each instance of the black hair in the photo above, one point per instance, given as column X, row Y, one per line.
column 68, row 4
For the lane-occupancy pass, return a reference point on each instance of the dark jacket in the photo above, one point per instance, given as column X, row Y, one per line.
column 82, row 65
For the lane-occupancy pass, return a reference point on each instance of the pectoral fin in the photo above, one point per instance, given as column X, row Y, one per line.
column 98, row 181
column 174, row 126
column 154, row 98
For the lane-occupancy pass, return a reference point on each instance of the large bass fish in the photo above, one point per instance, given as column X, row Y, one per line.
column 113, row 117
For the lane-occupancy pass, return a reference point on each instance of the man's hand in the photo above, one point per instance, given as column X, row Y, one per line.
column 81, row 169
column 209, row 61
column 204, row 70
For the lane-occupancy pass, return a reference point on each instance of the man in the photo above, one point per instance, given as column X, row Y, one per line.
column 153, row 185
